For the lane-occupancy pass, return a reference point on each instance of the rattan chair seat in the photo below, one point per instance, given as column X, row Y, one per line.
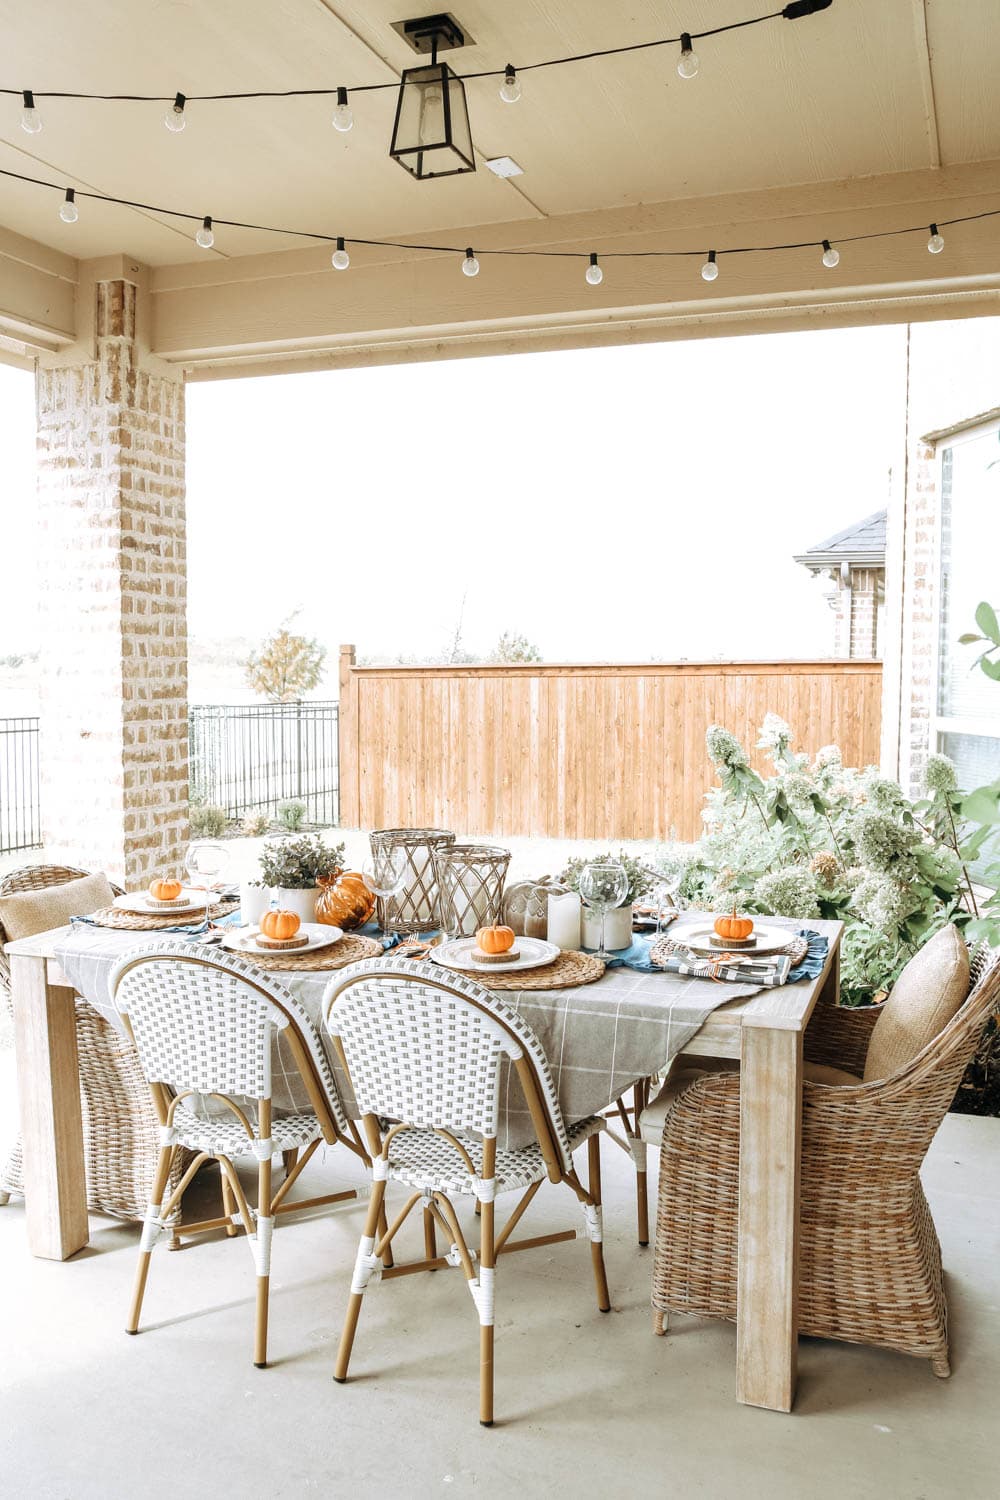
column 224, row 1135
column 426, row 1160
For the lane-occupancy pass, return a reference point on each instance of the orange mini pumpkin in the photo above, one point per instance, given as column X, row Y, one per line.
column 734, row 928
column 495, row 939
column 165, row 890
column 280, row 925
column 345, row 901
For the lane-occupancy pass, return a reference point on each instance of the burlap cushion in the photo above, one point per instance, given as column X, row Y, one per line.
column 924, row 998
column 28, row 912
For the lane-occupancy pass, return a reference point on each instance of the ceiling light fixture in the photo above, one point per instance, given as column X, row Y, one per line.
column 688, row 65
column 175, row 118
column 510, row 89
column 31, row 120
column 593, row 273
column 431, row 134
column 343, row 115
column 69, row 213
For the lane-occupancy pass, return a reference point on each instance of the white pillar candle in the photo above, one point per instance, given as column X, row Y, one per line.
column 564, row 920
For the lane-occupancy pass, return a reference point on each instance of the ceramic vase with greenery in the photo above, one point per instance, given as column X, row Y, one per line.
column 294, row 868
column 618, row 919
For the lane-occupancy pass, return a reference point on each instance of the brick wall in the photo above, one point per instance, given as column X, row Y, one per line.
column 113, row 602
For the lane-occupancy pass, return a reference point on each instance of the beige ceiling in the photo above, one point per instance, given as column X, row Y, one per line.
column 869, row 87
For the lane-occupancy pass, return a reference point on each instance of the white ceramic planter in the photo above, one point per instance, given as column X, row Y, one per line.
column 303, row 903
column 617, row 928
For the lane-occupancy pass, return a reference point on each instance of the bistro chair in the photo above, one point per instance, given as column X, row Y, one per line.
column 205, row 1027
column 870, row 1264
column 120, row 1128
column 424, row 1054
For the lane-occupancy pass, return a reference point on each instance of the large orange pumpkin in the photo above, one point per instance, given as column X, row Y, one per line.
column 165, row 890
column 280, row 925
column 345, row 901
column 734, row 928
column 495, row 939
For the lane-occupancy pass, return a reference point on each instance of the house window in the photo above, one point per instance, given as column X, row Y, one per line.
column 968, row 703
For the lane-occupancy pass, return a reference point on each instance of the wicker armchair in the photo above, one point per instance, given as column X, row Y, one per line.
column 121, row 1132
column 870, row 1269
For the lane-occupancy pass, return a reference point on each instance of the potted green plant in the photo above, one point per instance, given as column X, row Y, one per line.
column 618, row 920
column 293, row 869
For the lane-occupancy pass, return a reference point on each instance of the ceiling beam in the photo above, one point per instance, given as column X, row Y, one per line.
column 37, row 293
column 291, row 310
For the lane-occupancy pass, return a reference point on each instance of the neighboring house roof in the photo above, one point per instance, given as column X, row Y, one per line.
column 861, row 545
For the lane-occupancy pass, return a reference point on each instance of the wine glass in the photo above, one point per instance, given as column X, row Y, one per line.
column 603, row 886
column 205, row 860
column 383, row 872
column 668, row 884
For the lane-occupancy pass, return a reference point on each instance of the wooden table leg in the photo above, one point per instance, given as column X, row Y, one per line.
column 770, row 1161
column 48, row 1079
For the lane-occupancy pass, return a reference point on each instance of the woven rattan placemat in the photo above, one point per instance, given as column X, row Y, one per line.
column 113, row 916
column 568, row 970
column 667, row 947
column 346, row 950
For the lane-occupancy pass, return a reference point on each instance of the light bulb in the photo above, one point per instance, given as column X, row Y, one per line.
column 31, row 120
column 593, row 273
column 68, row 211
column 510, row 89
column 688, row 65
column 205, row 238
column 340, row 258
column 175, row 119
column 470, row 264
column 709, row 270
column 936, row 242
column 831, row 257
column 343, row 115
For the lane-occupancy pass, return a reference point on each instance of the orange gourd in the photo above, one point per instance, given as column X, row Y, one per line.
column 165, row 890
column 280, row 925
column 495, row 939
column 345, row 901
column 734, row 928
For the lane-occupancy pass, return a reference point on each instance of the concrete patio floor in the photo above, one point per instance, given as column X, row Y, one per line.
column 586, row 1404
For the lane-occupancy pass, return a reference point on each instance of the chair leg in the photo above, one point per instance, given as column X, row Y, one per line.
column 383, row 1229
column 660, row 1322
column 363, row 1269
column 941, row 1366
column 487, row 1277
column 4, row 1197
column 262, row 1259
column 430, row 1236
column 150, row 1233
column 596, row 1242
column 228, row 1203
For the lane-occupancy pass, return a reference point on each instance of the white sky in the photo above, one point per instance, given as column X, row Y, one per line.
column 629, row 503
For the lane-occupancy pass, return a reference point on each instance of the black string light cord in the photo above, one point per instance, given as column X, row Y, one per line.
column 578, row 255
column 794, row 11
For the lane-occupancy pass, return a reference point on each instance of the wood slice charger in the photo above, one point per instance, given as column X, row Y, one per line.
column 280, row 945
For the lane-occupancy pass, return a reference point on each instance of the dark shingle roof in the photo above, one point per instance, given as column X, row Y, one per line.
column 862, row 545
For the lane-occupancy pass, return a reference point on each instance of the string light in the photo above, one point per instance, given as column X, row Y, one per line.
column 470, row 264
column 688, row 65
column 205, row 237
column 31, row 120
column 175, row 119
column 594, row 273
column 831, row 257
column 936, row 242
column 340, row 258
column 710, row 270
column 343, row 115
column 510, row 89
column 69, row 213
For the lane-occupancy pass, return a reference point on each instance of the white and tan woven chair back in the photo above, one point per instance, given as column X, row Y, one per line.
column 208, row 1021
column 426, row 1047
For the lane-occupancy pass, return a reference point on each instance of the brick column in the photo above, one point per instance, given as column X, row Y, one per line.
column 113, row 592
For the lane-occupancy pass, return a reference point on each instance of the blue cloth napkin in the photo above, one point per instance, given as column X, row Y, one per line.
column 637, row 957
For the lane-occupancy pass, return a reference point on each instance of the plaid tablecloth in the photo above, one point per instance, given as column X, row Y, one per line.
column 599, row 1038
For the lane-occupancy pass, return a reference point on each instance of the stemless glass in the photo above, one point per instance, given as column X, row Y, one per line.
column 205, row 861
column 383, row 874
column 603, row 886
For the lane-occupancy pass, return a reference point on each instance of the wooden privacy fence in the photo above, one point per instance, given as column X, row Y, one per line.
column 604, row 752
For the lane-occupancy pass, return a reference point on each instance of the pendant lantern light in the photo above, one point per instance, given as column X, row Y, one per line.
column 431, row 134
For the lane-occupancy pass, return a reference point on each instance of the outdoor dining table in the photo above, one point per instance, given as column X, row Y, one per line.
column 600, row 1039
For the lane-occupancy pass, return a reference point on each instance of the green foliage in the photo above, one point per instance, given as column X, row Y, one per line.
column 208, row 820
column 299, row 864
column 286, row 667
column 817, row 839
column 513, row 646
column 639, row 877
column 291, row 815
column 255, row 825
column 982, row 806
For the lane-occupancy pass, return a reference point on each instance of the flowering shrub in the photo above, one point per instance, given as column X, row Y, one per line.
column 817, row 839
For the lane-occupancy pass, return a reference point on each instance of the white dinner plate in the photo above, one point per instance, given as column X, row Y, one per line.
column 141, row 904
column 534, row 953
column 697, row 936
column 243, row 939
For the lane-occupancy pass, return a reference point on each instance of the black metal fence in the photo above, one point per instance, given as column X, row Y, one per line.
column 20, row 815
column 248, row 758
